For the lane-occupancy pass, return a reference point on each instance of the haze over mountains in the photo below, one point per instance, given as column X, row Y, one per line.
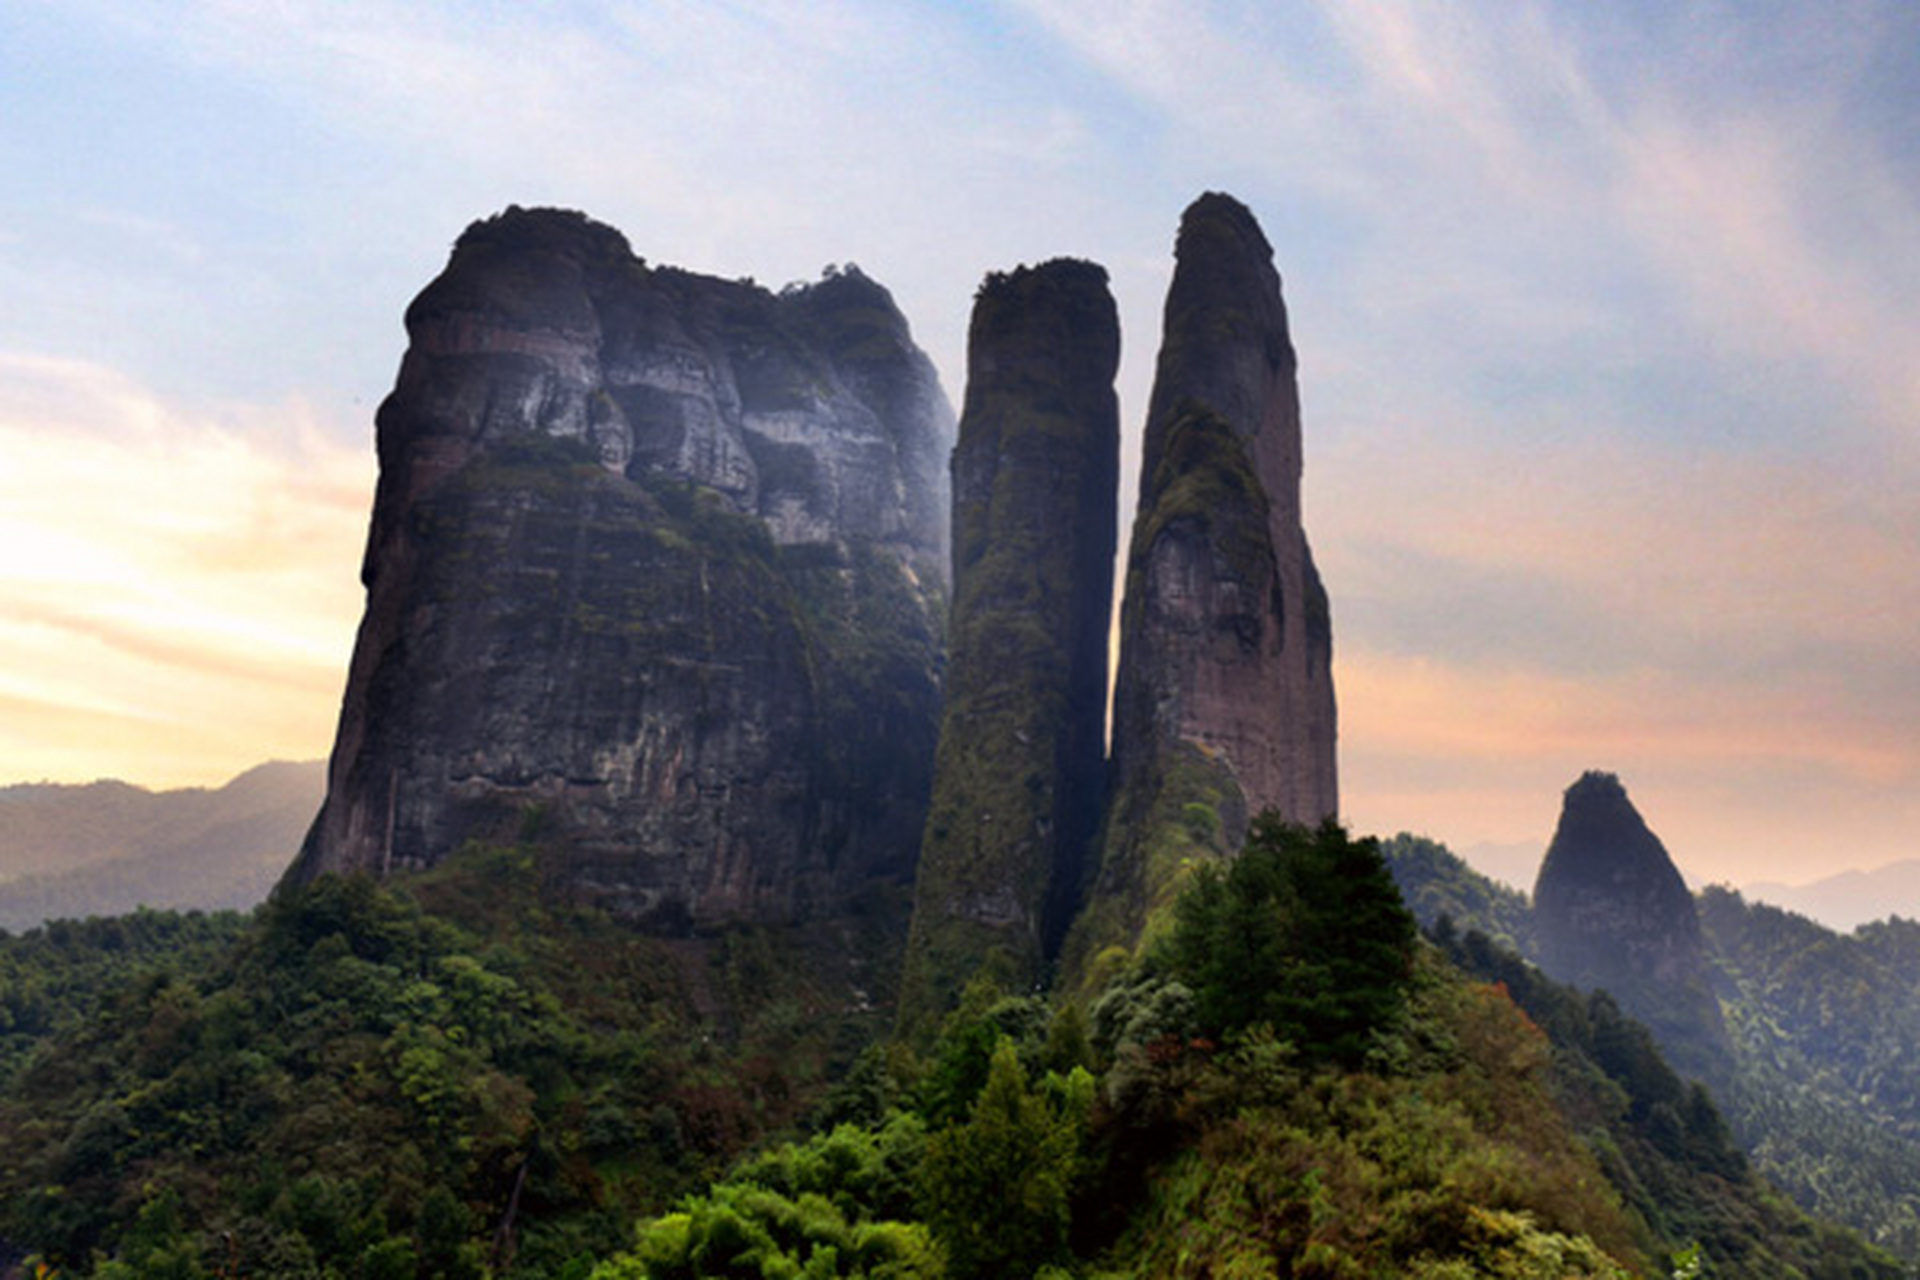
column 1844, row 900
column 105, row 848
column 72, row 850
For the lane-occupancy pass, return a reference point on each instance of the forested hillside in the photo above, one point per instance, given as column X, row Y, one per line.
column 1825, row 1095
column 461, row 1074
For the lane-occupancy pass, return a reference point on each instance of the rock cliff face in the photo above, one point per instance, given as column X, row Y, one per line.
column 1224, row 703
column 656, row 563
column 1611, row 911
column 1019, row 781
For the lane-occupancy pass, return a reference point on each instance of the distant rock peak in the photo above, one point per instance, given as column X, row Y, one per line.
column 1611, row 911
column 1603, row 840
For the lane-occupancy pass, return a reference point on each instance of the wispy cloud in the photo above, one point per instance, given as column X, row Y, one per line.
column 1610, row 348
column 185, row 585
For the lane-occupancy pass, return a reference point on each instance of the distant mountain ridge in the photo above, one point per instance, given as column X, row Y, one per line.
column 109, row 847
column 1850, row 898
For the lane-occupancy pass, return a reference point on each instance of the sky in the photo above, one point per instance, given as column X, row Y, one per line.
column 1608, row 320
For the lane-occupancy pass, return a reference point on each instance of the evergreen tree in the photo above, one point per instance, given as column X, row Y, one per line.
column 997, row 1188
column 1305, row 932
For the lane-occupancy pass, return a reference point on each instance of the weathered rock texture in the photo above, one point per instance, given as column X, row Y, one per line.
column 656, row 559
column 1611, row 911
column 1020, row 775
column 1223, row 705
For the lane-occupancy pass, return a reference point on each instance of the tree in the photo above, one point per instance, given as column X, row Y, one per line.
column 1305, row 932
column 996, row 1188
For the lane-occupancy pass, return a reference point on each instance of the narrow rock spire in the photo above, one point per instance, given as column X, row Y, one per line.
column 1224, row 701
column 1019, row 774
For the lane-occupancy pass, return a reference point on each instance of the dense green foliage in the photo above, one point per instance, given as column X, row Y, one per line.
column 1435, row 882
column 1825, row 1090
column 56, row 977
column 1141, row 1147
column 472, row 1078
column 1828, row 1030
column 1467, row 1138
column 464, row 1078
column 1662, row 1140
column 1454, row 1162
column 1303, row 932
column 1187, row 814
column 1179, row 1157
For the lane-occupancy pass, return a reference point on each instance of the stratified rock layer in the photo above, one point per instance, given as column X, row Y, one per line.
column 1223, row 705
column 1019, row 781
column 1612, row 912
column 655, row 565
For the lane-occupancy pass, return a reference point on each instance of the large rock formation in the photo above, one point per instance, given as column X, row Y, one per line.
column 1610, row 911
column 1019, row 781
column 655, row 564
column 1223, row 705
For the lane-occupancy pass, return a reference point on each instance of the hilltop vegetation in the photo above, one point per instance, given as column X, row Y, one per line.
column 457, row 1077
column 459, row 1074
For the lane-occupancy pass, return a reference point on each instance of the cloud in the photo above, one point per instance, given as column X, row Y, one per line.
column 182, row 584
column 1606, row 322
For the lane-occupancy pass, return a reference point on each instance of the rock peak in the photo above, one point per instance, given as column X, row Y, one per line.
column 1020, row 772
column 1216, row 222
column 1603, row 840
column 1612, row 911
column 656, row 556
column 540, row 225
column 1223, row 703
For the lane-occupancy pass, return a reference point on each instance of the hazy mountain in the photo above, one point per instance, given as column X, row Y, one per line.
column 1851, row 898
column 1514, row 865
column 105, row 848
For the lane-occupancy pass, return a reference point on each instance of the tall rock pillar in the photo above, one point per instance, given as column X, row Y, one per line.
column 655, row 568
column 1224, row 701
column 1019, row 773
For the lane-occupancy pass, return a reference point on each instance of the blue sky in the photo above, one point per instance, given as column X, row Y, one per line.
column 1608, row 318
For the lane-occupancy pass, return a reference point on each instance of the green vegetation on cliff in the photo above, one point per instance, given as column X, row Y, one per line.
column 1157, row 834
column 1205, row 480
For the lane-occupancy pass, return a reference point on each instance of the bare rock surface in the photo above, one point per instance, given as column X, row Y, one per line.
column 655, row 569
column 1223, row 704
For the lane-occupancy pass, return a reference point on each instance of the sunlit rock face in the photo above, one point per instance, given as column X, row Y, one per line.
column 1223, row 704
column 1021, row 766
column 1612, row 912
column 655, row 570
